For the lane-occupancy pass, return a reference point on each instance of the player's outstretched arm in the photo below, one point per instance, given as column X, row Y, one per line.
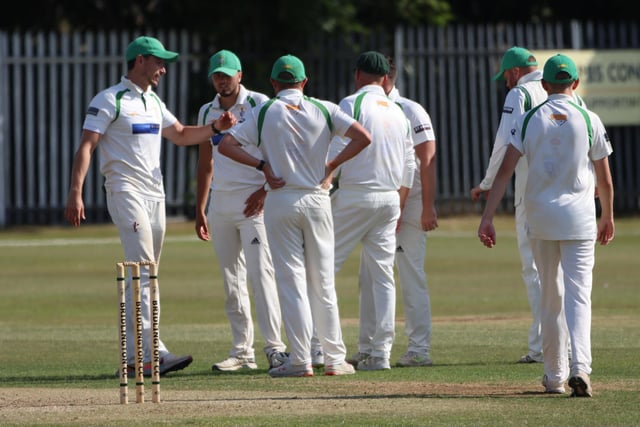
column 181, row 135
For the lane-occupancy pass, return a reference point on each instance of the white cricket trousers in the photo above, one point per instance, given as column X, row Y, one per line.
column 242, row 250
column 370, row 218
column 531, row 280
column 566, row 305
column 411, row 248
column 141, row 224
column 300, row 232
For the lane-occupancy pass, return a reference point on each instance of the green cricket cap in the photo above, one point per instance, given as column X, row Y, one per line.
column 288, row 69
column 558, row 64
column 225, row 62
column 144, row 45
column 515, row 57
column 373, row 63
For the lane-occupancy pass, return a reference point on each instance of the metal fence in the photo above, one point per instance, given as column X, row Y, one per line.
column 48, row 79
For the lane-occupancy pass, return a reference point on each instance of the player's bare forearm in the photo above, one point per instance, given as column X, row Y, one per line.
column 204, row 174
column 606, row 226
column 360, row 138
column 274, row 181
column 327, row 181
column 181, row 135
column 74, row 209
column 486, row 230
column 426, row 154
column 230, row 147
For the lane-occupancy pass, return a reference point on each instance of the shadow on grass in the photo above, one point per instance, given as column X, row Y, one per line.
column 374, row 397
column 26, row 381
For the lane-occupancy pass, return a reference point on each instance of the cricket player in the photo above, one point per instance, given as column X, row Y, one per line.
column 234, row 222
column 567, row 150
column 366, row 208
column 127, row 122
column 293, row 133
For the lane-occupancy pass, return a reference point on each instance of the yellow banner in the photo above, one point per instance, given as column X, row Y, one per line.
column 609, row 82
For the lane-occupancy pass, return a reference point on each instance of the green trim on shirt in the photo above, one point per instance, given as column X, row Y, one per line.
column 324, row 110
column 263, row 112
column 206, row 112
column 582, row 111
column 119, row 96
column 261, row 115
column 586, row 119
column 357, row 104
column 527, row 97
column 525, row 123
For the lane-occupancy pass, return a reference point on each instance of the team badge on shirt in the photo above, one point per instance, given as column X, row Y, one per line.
column 558, row 119
column 92, row 111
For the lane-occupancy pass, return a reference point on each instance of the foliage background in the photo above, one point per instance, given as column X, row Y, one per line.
column 285, row 21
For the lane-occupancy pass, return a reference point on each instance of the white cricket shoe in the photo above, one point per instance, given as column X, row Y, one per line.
column 343, row 368
column 289, row 370
column 531, row 358
column 357, row 358
column 234, row 364
column 412, row 358
column 581, row 385
column 372, row 363
column 277, row 358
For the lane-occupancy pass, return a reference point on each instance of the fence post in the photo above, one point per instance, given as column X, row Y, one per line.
column 4, row 102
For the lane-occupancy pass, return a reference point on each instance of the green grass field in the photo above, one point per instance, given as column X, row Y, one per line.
column 58, row 340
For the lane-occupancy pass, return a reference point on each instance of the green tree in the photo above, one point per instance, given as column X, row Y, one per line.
column 292, row 19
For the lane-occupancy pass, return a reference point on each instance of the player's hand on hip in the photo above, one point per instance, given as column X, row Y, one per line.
column 255, row 202
column 274, row 182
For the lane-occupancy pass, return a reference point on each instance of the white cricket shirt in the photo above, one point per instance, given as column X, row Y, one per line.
column 515, row 105
column 229, row 175
column 559, row 195
column 389, row 161
column 130, row 121
column 295, row 136
column 421, row 131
